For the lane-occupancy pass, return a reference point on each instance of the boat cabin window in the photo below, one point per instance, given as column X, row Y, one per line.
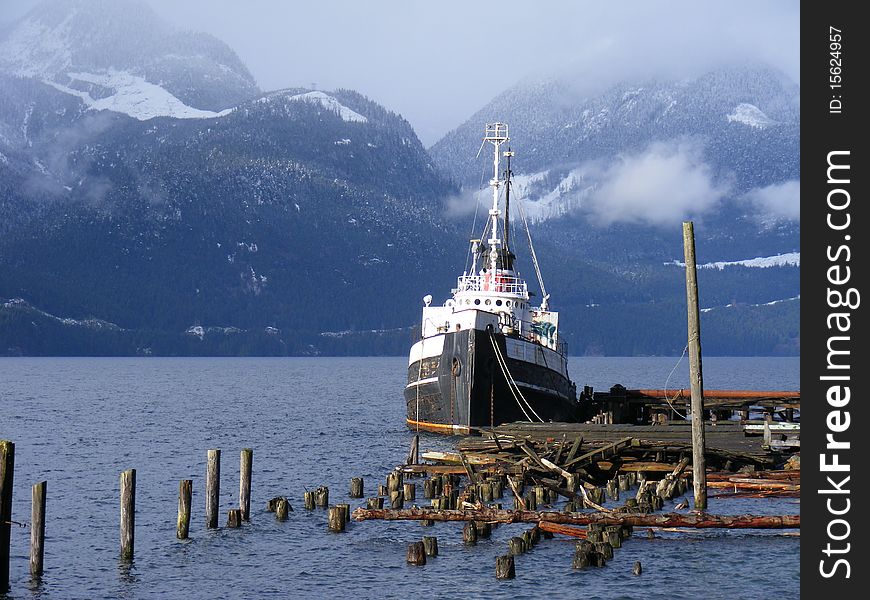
column 498, row 302
column 477, row 301
column 488, row 302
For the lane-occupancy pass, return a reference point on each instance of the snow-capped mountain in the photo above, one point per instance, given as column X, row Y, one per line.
column 153, row 200
column 605, row 180
column 119, row 55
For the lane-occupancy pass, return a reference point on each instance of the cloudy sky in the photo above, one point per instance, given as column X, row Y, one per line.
column 437, row 63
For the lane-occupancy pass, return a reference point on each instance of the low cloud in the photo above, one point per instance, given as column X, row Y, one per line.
column 778, row 201
column 667, row 183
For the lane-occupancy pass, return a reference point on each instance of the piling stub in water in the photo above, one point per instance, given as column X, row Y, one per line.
column 356, row 487
column 272, row 504
column 605, row 549
column 335, row 518
column 416, row 554
column 517, row 545
column 375, row 503
column 321, row 496
column 282, row 507
column 234, row 518
column 409, row 491
column 504, row 567
column 637, row 569
column 430, row 544
column 469, row 533
column 580, row 560
column 309, row 501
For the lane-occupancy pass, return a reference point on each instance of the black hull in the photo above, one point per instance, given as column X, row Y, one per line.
column 466, row 388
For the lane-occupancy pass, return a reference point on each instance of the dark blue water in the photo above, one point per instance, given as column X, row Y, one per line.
column 78, row 423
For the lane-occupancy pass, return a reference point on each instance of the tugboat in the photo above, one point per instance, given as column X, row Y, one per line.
column 488, row 356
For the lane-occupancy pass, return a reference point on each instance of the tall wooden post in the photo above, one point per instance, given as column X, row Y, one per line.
column 185, row 493
column 245, row 483
column 37, row 528
column 696, row 379
column 7, row 469
column 128, row 513
column 212, row 489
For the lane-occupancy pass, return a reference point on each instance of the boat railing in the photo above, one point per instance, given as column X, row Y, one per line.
column 502, row 284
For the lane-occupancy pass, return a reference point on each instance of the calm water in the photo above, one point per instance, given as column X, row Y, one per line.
column 78, row 423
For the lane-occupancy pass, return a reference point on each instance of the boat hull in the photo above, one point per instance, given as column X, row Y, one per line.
column 465, row 386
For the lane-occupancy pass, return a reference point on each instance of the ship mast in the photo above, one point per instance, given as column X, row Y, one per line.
column 496, row 134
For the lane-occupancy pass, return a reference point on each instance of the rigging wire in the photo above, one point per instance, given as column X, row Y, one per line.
column 473, row 227
column 534, row 256
column 502, row 363
column 668, row 380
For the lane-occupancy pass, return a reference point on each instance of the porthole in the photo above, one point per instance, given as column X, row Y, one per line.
column 507, row 303
column 477, row 301
column 488, row 302
column 498, row 302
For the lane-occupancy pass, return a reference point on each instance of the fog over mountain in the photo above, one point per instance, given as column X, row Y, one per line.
column 157, row 197
column 438, row 63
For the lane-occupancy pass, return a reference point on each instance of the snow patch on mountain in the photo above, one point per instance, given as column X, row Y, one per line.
column 92, row 323
column 542, row 199
column 133, row 96
column 751, row 115
column 771, row 303
column 789, row 259
column 325, row 100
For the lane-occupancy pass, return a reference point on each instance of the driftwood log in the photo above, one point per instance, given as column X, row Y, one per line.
column 700, row 521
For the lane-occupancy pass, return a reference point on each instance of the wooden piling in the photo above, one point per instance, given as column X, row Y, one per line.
column 282, row 509
column 397, row 499
column 484, row 529
column 321, row 496
column 246, row 460
column 375, row 502
column 469, row 533
column 540, row 495
column 346, row 509
column 517, row 545
column 335, row 518
column 356, row 487
column 504, row 567
column 185, row 493
column 382, row 490
column 234, row 518
column 128, row 513
column 580, row 560
column 37, row 528
column 212, row 488
column 637, row 569
column 414, row 453
column 624, row 483
column 613, row 489
column 429, row 488
column 696, row 379
column 7, row 470
column 410, row 492
column 430, row 544
column 416, row 554
column 604, row 548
